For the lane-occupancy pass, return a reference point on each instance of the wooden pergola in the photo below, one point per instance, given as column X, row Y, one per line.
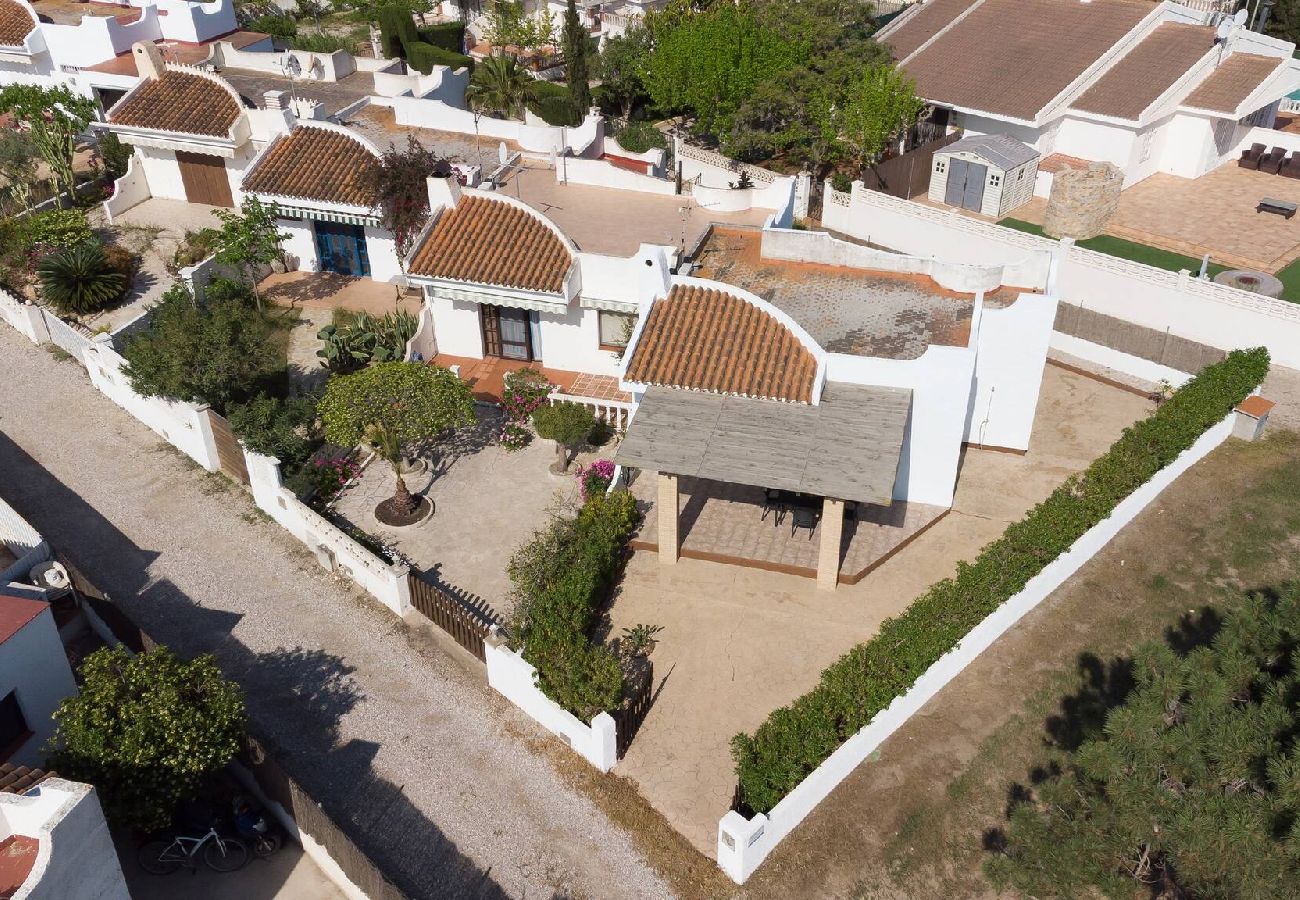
column 846, row 448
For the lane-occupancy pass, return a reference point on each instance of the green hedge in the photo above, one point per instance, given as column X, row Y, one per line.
column 395, row 30
column 562, row 578
column 449, row 36
column 638, row 137
column 423, row 57
column 795, row 739
column 552, row 103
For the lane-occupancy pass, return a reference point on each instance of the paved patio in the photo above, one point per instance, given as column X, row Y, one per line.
column 325, row 290
column 488, row 502
column 486, row 378
column 740, row 642
column 724, row 523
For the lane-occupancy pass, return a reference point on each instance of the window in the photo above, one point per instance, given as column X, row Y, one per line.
column 995, row 180
column 13, row 726
column 940, row 165
column 616, row 328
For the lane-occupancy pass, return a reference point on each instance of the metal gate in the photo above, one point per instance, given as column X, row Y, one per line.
column 230, row 455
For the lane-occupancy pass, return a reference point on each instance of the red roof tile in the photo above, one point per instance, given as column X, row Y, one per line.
column 16, row 612
column 180, row 102
column 15, row 23
column 315, row 163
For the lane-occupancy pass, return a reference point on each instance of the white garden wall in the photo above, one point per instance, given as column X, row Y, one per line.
column 130, row 190
column 744, row 844
column 1010, row 353
column 515, row 679
column 545, row 140
column 601, row 173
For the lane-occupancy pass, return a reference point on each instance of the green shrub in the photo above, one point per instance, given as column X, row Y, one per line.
column 562, row 578
column 115, row 154
column 638, row 137
column 423, row 57
column 568, row 424
column 55, row 228
column 447, row 35
column 396, row 30
column 78, row 280
column 320, row 42
column 279, row 26
column 276, row 427
column 552, row 104
column 796, row 738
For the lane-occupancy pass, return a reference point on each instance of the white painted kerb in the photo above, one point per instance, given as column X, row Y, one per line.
column 744, row 844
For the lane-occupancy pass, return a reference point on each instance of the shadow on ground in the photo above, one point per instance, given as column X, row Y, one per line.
column 296, row 696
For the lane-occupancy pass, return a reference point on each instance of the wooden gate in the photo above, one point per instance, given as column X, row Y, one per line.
column 205, row 179
column 465, row 625
column 230, row 455
column 639, row 691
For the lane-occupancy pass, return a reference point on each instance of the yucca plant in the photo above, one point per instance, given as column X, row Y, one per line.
column 79, row 280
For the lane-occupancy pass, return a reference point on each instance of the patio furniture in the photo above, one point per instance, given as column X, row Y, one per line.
column 1250, row 158
column 774, row 502
column 1272, row 162
column 1283, row 208
column 1291, row 168
column 804, row 516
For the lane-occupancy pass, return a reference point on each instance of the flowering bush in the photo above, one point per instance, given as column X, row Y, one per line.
column 524, row 391
column 594, row 479
column 328, row 474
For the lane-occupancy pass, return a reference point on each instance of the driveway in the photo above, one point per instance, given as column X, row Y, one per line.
column 401, row 740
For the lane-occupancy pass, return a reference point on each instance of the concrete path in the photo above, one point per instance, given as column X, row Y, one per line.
column 403, row 743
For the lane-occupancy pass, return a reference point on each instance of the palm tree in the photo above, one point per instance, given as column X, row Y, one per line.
column 502, row 86
column 78, row 279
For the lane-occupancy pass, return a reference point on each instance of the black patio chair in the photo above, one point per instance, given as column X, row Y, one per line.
column 804, row 517
column 1272, row 162
column 774, row 502
column 1251, row 156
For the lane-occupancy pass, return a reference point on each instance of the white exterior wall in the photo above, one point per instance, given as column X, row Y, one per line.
column 163, row 173
column 76, row 859
column 33, row 664
column 382, row 250
column 572, row 342
column 940, row 381
column 300, row 243
column 975, row 124
column 1011, row 351
column 1100, row 141
column 456, row 327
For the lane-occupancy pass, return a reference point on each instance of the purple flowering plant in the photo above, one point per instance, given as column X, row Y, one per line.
column 594, row 480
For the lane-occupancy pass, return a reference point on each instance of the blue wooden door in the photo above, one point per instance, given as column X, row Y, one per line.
column 342, row 248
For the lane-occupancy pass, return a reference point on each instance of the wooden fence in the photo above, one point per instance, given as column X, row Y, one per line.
column 230, row 455
column 467, row 626
column 639, row 693
column 908, row 175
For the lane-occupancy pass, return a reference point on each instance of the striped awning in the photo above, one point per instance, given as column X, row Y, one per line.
column 287, row 211
column 619, row 306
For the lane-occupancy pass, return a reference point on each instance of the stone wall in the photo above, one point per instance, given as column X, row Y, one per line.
column 1082, row 201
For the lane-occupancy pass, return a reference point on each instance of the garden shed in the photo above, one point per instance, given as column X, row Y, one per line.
column 990, row 174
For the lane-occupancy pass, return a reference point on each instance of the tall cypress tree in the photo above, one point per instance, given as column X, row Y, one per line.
column 577, row 50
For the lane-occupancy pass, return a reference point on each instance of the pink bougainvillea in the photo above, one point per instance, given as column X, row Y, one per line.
column 594, row 479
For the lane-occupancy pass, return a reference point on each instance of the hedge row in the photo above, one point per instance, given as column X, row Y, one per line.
column 423, row 57
column 438, row 45
column 795, row 739
column 562, row 578
column 449, row 36
column 554, row 105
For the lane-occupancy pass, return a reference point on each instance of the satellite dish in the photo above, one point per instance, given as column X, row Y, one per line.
column 1240, row 18
column 1225, row 28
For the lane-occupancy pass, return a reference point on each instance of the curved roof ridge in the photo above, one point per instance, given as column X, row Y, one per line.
column 17, row 21
column 316, row 161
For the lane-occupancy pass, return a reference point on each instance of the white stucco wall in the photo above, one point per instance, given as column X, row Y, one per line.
column 163, row 173
column 76, row 859
column 300, row 243
column 33, row 664
column 572, row 342
column 382, row 250
column 1011, row 351
column 456, row 327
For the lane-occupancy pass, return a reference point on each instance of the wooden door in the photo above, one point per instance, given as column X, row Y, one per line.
column 205, row 179
column 491, row 329
column 342, row 249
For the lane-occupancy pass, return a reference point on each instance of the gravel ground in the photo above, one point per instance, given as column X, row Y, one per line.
column 401, row 740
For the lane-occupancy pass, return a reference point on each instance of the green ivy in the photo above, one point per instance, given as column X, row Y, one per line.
column 562, row 578
column 797, row 738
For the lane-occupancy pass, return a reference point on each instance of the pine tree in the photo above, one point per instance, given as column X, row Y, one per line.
column 1193, row 787
column 577, row 58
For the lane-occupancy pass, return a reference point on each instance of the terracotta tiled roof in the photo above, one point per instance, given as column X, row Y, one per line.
column 1013, row 57
column 1147, row 71
column 15, row 23
column 929, row 19
column 1232, row 82
column 180, row 102
column 710, row 340
column 490, row 241
column 315, row 164
column 16, row 779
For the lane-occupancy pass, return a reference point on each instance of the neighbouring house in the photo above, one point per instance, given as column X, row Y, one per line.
column 54, row 840
column 34, row 678
column 1148, row 87
column 315, row 176
column 990, row 174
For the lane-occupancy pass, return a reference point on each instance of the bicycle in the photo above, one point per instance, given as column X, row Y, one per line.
column 220, row 854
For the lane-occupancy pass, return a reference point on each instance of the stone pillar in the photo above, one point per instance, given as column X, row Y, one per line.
column 1252, row 416
column 669, row 510
column 832, row 531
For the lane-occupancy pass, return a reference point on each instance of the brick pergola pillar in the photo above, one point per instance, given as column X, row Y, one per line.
column 832, row 531
column 669, row 509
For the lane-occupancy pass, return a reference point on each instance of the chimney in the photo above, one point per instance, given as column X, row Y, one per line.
column 443, row 191
column 655, row 278
column 273, row 99
column 148, row 60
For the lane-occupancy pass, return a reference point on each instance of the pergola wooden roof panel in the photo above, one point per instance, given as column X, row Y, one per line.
column 847, row 447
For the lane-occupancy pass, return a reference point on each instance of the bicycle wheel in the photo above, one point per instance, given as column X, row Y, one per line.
column 160, row 857
column 225, row 854
column 266, row 844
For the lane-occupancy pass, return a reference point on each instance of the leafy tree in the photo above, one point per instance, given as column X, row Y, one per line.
column 18, row 159
column 577, row 59
column 115, row 154
column 217, row 352
column 509, row 25
column 79, row 279
column 500, row 85
column 1192, row 789
column 277, row 427
column 569, row 425
column 249, row 238
column 880, row 107
column 393, row 406
column 54, row 118
column 398, row 185
column 622, row 67
column 147, row 731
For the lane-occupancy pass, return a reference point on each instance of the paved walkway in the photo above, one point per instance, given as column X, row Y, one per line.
column 417, row 760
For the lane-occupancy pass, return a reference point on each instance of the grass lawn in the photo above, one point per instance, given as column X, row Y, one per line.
column 914, row 821
column 1290, row 278
column 1130, row 250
